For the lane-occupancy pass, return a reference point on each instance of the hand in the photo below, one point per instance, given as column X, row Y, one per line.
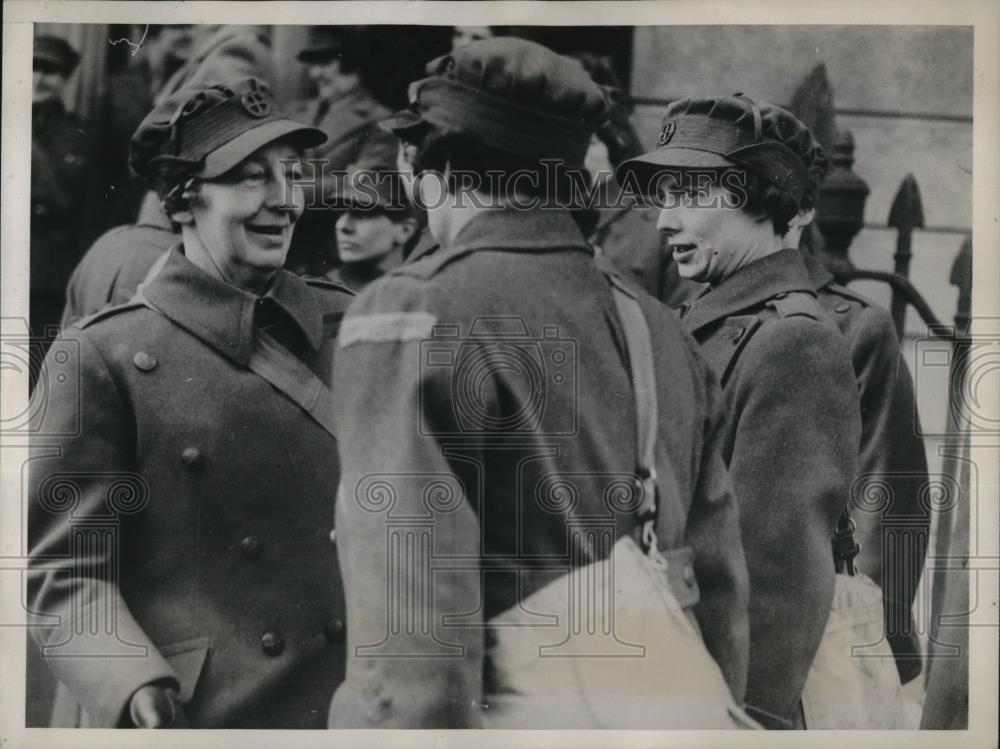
column 157, row 706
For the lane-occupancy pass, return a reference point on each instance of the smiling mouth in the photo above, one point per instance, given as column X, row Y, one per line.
column 267, row 230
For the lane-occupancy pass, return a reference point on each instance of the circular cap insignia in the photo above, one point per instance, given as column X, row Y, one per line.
column 666, row 133
column 256, row 103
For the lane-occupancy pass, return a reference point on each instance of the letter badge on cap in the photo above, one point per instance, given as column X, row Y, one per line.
column 666, row 134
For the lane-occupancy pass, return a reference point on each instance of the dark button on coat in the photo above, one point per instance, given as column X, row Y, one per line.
column 116, row 520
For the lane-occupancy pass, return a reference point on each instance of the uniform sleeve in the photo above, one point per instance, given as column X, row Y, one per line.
column 80, row 494
column 794, row 458
column 404, row 526
column 713, row 531
column 893, row 456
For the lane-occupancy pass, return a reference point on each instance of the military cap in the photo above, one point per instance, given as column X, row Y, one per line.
column 57, row 52
column 204, row 130
column 511, row 94
column 733, row 131
column 324, row 43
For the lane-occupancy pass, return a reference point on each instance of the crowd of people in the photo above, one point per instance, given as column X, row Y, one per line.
column 440, row 443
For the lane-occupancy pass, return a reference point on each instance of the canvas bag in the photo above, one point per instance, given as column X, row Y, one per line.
column 632, row 658
column 853, row 682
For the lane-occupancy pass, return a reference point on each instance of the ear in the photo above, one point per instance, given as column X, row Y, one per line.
column 183, row 216
column 802, row 219
column 405, row 229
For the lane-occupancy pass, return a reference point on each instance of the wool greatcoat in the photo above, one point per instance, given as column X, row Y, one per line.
column 893, row 530
column 492, row 377
column 181, row 508
column 791, row 444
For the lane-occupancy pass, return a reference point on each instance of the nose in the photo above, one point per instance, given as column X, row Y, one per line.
column 285, row 196
column 345, row 224
column 668, row 222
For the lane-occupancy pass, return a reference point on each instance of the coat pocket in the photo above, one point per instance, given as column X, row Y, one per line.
column 187, row 659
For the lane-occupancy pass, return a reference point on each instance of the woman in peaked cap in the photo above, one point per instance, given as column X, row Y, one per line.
column 195, row 450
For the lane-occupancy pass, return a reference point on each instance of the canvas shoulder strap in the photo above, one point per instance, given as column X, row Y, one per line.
column 640, row 356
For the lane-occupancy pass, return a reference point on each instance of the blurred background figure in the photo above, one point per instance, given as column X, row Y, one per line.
column 60, row 165
column 378, row 227
column 344, row 108
column 129, row 97
column 465, row 35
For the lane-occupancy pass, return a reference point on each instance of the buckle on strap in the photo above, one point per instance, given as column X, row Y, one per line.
column 648, row 510
column 845, row 548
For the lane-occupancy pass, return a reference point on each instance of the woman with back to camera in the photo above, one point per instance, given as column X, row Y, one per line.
column 199, row 439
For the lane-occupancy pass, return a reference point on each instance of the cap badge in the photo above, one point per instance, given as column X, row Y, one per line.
column 666, row 134
column 257, row 103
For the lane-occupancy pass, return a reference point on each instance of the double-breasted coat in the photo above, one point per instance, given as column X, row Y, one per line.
column 894, row 530
column 791, row 443
column 181, row 508
column 492, row 378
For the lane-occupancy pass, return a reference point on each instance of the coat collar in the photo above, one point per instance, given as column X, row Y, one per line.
column 537, row 229
column 818, row 273
column 223, row 315
column 750, row 286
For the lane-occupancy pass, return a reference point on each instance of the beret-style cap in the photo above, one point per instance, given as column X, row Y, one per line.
column 512, row 94
column 57, row 52
column 204, row 130
column 732, row 131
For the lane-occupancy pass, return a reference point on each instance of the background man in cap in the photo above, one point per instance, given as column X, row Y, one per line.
column 436, row 367
column 730, row 186
column 60, row 166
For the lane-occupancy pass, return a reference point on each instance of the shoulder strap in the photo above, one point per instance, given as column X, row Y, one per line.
column 281, row 368
column 640, row 356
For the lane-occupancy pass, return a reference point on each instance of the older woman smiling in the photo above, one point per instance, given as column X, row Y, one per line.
column 206, row 398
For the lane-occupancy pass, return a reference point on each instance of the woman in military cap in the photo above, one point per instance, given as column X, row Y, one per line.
column 378, row 226
column 731, row 185
column 191, row 442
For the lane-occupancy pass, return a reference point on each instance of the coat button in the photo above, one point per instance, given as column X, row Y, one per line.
column 333, row 536
column 688, row 575
column 192, row 458
column 272, row 643
column 842, row 307
column 250, row 546
column 334, row 630
column 144, row 360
